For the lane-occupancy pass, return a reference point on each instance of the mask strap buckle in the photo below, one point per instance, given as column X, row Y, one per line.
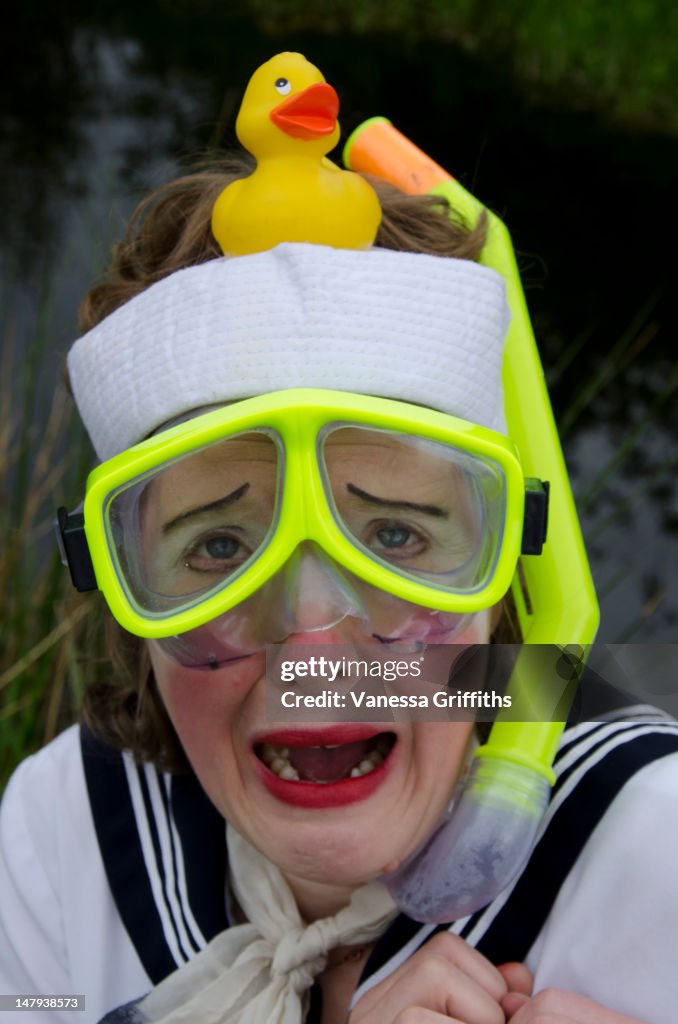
column 535, row 522
column 70, row 533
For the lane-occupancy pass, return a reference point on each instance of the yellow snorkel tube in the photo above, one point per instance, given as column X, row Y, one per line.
column 495, row 817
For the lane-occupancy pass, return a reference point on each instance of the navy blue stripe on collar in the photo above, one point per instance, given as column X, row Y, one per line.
column 512, row 932
column 203, row 840
column 153, row 922
column 507, row 932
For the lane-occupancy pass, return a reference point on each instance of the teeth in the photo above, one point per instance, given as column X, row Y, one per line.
column 269, row 753
column 278, row 760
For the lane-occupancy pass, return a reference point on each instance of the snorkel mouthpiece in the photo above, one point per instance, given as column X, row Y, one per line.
column 480, row 847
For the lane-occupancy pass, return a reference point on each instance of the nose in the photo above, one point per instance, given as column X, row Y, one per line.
column 317, row 593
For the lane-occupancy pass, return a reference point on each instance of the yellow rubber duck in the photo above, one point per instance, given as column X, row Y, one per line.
column 288, row 122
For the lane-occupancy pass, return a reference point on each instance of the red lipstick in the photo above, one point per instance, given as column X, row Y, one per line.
column 308, row 751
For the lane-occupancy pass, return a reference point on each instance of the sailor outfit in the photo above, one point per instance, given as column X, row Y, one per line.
column 113, row 875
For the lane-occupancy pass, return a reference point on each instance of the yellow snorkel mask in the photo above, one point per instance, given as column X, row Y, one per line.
column 418, row 518
column 414, row 520
column 188, row 524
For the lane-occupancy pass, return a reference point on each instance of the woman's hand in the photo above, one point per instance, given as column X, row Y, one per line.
column 553, row 1006
column 445, row 981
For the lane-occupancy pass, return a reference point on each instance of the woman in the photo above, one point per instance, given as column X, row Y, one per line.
column 115, row 880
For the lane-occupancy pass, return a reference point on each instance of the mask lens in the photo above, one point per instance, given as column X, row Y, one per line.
column 191, row 526
column 310, row 594
column 422, row 508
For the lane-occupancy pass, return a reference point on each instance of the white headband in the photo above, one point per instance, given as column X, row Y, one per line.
column 423, row 329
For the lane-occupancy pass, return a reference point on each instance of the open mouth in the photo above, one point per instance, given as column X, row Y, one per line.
column 328, row 763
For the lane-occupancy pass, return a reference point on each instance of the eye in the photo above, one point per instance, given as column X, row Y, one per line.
column 396, row 540
column 222, row 547
column 282, row 86
column 393, row 536
column 219, row 553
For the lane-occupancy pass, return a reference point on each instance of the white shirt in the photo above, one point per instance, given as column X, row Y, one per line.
column 611, row 933
column 60, row 931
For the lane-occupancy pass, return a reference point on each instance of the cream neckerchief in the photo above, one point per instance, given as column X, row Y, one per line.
column 261, row 971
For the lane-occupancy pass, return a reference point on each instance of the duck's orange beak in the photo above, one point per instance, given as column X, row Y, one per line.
column 309, row 114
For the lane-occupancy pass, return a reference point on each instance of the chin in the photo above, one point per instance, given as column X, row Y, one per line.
column 336, row 853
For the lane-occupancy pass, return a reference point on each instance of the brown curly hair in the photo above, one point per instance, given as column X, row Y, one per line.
column 170, row 230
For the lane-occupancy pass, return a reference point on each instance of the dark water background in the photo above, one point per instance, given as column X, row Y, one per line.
column 96, row 112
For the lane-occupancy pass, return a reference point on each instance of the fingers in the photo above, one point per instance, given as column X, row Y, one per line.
column 511, row 1003
column 553, row 1006
column 551, row 1018
column 449, row 981
column 467, row 959
column 445, row 977
column 432, row 984
column 517, row 977
column 519, row 983
column 420, row 1015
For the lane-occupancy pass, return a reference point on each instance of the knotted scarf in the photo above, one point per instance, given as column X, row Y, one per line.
column 262, row 970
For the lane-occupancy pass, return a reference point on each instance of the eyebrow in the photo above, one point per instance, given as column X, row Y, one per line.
column 429, row 510
column 220, row 503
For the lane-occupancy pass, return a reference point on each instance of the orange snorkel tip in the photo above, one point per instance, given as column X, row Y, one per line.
column 376, row 147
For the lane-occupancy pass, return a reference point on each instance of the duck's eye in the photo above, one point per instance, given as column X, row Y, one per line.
column 283, row 86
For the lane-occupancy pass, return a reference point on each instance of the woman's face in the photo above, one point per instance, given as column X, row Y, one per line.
column 326, row 832
column 364, row 795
